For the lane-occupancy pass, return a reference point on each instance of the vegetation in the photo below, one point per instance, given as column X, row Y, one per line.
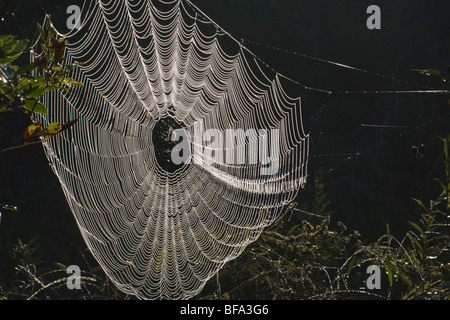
column 22, row 87
column 304, row 258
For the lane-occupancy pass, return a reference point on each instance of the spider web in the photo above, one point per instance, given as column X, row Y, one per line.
column 160, row 234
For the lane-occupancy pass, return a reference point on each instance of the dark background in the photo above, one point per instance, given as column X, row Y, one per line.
column 371, row 174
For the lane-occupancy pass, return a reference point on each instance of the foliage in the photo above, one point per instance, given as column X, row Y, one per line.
column 23, row 86
column 309, row 260
column 298, row 257
column 34, row 280
column 302, row 256
column 418, row 266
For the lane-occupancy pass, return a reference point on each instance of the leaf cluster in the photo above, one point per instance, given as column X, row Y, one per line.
column 22, row 86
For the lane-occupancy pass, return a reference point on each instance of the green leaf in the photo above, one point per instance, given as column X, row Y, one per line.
column 389, row 271
column 10, row 58
column 24, row 83
column 58, row 69
column 11, row 95
column 40, row 108
column 443, row 186
column 418, row 245
column 293, row 229
column 21, row 45
column 5, row 39
column 8, row 207
column 5, row 90
column 440, row 237
column 419, row 229
column 42, row 33
column 405, row 279
column 72, row 82
column 350, row 266
column 44, row 50
column 432, row 72
column 59, row 78
column 420, row 203
column 38, row 81
column 34, row 106
column 54, row 87
column 36, row 92
column 51, row 31
column 14, row 47
column 406, row 296
column 8, row 47
column 262, row 254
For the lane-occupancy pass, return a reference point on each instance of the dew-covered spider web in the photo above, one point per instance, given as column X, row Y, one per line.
column 159, row 233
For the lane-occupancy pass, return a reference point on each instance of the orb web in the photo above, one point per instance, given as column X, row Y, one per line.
column 161, row 233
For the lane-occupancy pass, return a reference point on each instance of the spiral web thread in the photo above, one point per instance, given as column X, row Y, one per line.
column 159, row 234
